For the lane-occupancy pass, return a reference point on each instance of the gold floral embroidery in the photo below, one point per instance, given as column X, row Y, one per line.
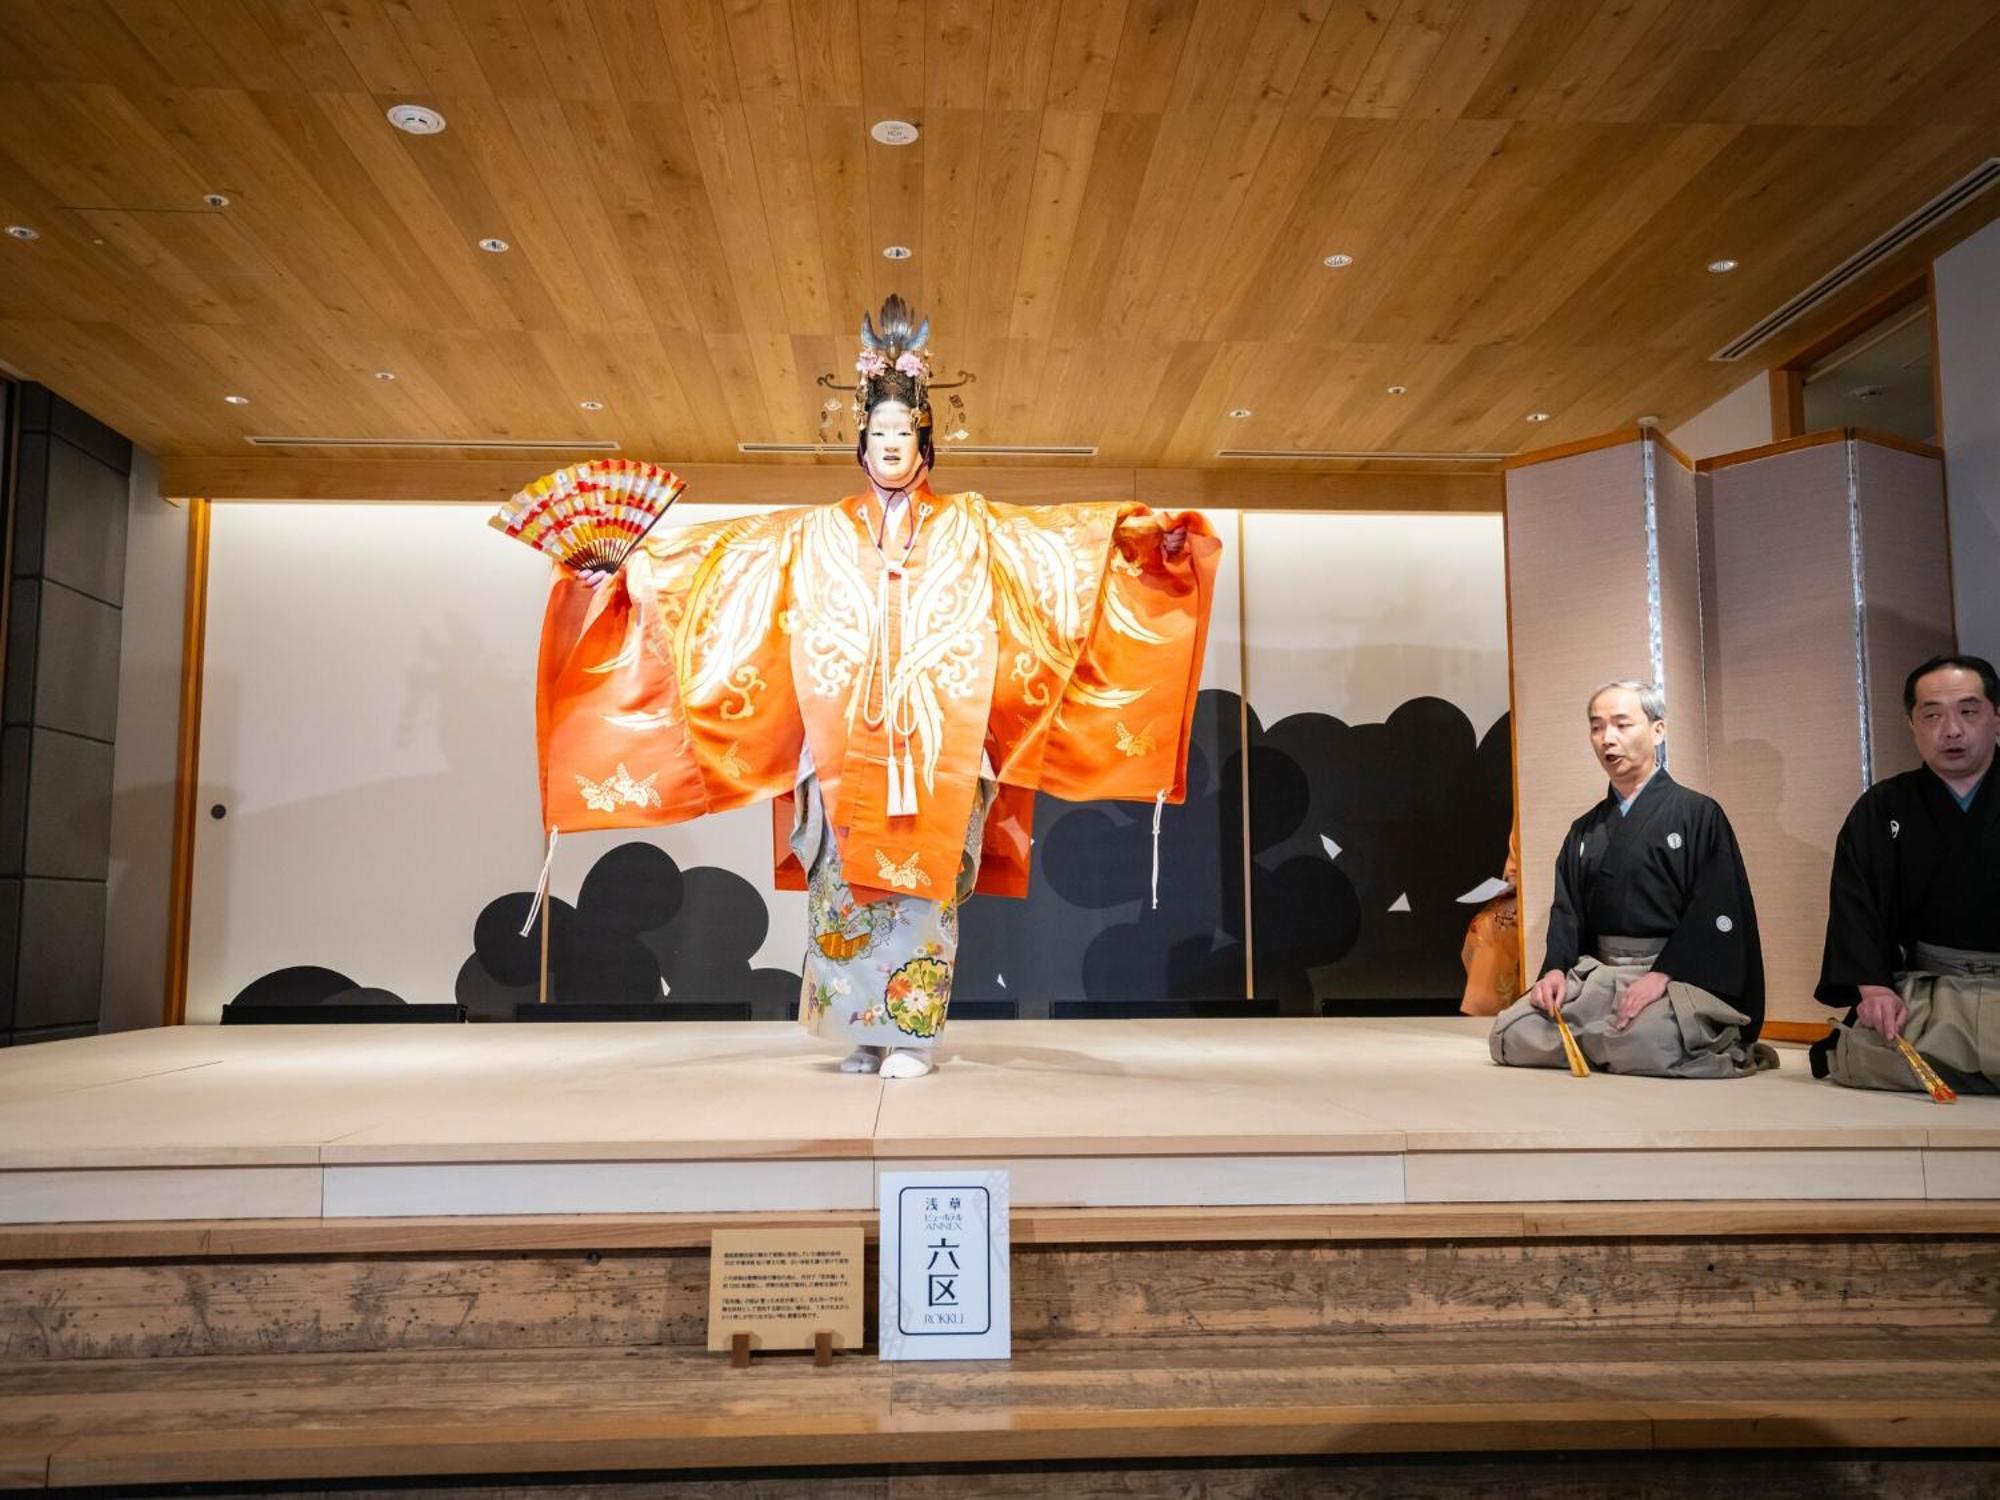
column 901, row 877
column 618, row 789
column 1129, row 743
column 731, row 765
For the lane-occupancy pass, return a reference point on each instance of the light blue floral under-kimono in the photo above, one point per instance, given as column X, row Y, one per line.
column 877, row 974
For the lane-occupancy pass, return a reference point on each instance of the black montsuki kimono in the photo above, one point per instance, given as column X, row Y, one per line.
column 1669, row 869
column 1910, row 866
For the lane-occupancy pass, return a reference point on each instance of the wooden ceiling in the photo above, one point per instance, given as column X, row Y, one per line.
column 1118, row 210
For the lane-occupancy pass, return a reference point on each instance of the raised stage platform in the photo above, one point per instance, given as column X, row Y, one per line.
column 354, row 1122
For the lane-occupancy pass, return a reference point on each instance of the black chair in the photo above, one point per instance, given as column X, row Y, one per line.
column 238, row 1014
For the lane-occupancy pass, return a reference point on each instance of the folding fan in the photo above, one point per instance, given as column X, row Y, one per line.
column 591, row 515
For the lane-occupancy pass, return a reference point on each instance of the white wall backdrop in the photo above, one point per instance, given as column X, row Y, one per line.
column 1353, row 615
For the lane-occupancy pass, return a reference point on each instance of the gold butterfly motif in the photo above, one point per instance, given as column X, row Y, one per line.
column 1129, row 743
column 900, row 877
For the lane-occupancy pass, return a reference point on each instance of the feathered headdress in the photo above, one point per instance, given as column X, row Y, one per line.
column 895, row 365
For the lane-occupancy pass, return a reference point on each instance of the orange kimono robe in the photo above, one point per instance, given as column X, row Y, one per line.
column 1057, row 648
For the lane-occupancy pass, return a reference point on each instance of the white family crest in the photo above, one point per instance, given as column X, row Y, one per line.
column 1673, row 841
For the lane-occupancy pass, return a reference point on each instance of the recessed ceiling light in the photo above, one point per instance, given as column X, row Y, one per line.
column 897, row 252
column 1240, row 412
column 1538, row 416
column 893, row 132
column 1723, row 266
column 1399, row 390
column 237, row 400
column 216, row 200
column 591, row 405
column 1338, row 262
column 1649, row 421
column 495, row 246
column 23, row 232
column 414, row 119
column 385, row 374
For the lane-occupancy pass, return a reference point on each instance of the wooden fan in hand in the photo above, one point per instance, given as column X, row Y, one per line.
column 589, row 517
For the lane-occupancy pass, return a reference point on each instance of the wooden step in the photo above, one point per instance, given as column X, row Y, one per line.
column 268, row 1418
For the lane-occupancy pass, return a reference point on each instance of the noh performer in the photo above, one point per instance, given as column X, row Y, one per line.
column 1653, row 957
column 901, row 671
column 1913, row 916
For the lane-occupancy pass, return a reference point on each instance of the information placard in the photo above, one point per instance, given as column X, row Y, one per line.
column 783, row 1287
column 945, row 1285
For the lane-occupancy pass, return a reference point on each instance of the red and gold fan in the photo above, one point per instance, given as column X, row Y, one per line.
column 590, row 516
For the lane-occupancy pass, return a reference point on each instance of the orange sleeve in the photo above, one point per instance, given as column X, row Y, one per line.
column 671, row 695
column 1122, row 728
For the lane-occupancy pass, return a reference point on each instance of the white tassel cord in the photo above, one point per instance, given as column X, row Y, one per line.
column 542, row 885
column 1159, row 806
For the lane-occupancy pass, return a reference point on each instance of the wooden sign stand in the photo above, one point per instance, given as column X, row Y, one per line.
column 739, row 1350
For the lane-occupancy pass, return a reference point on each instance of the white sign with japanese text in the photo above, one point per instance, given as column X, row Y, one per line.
column 945, row 1286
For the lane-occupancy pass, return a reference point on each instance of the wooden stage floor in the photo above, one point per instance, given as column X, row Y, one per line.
column 389, row 1121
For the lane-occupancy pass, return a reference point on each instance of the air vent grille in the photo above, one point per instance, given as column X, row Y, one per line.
column 1866, row 259
column 497, row 445
column 1345, row 455
column 975, row 450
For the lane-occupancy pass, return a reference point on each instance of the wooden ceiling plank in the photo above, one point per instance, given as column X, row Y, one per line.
column 179, row 50
column 1603, row 46
column 1685, row 61
column 1533, row 52
column 1238, row 145
column 1282, row 275
column 630, row 31
column 1007, row 157
column 1150, row 53
column 1886, row 52
column 1471, row 51
column 373, row 46
column 390, row 187
column 783, row 152
column 1961, row 77
column 760, row 42
column 1281, row 42
column 697, row 36
column 838, row 141
column 723, row 142
column 88, row 147
column 957, row 49
column 285, row 162
column 1212, row 56
column 559, row 205
column 828, row 40
column 1755, row 95
column 685, row 216
column 1350, row 35
column 1165, row 199
column 894, row 49
column 1062, row 171
column 431, row 35
column 951, row 220
column 1413, row 40
column 1118, row 164
column 1204, row 424
column 1085, row 54
column 1020, row 55
column 93, row 365
column 896, row 216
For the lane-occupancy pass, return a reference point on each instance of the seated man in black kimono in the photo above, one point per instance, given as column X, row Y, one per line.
column 1653, row 955
column 1913, row 919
